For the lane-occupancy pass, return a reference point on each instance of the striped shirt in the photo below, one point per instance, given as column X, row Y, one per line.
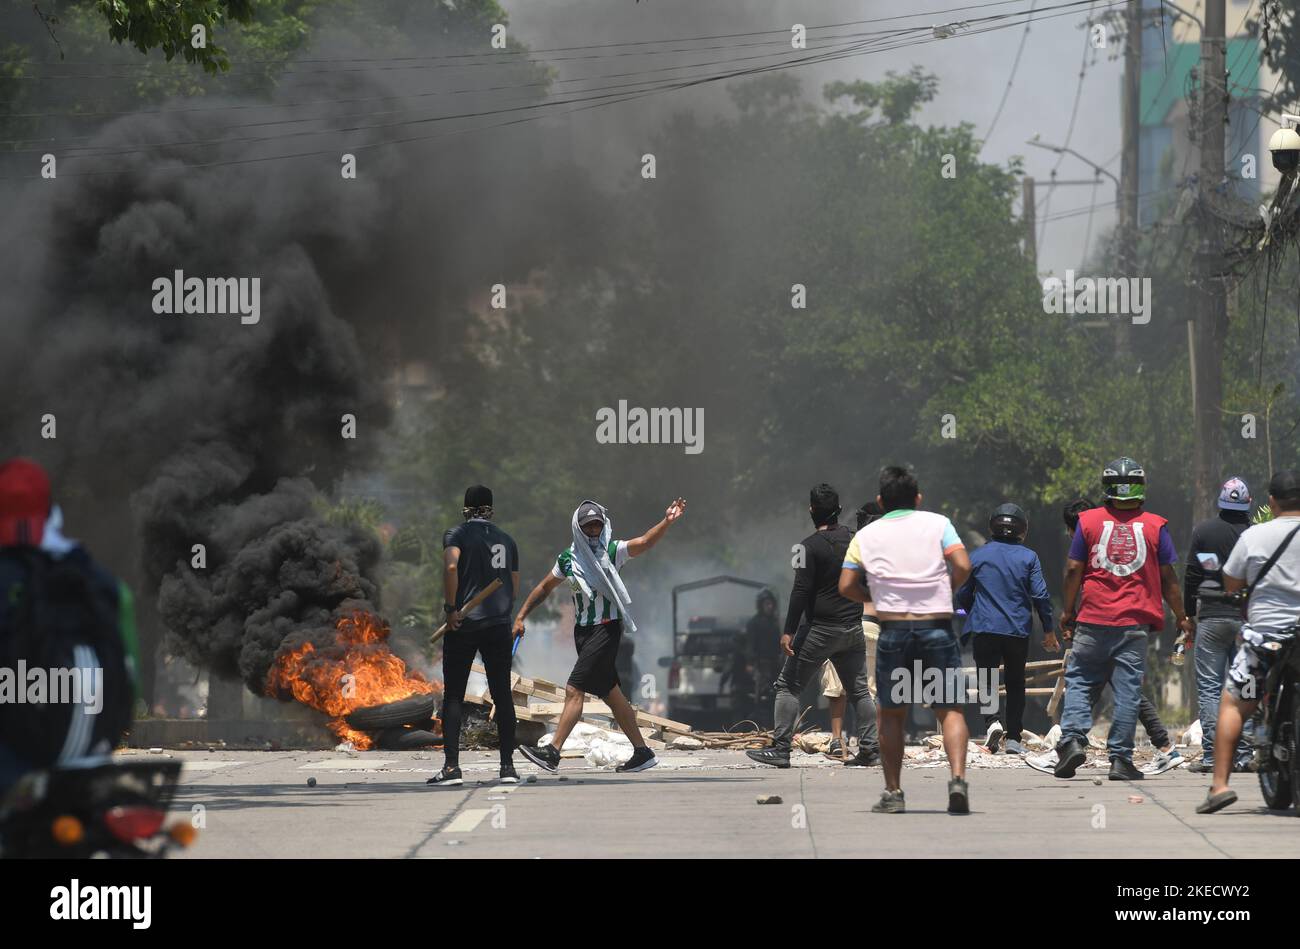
column 588, row 611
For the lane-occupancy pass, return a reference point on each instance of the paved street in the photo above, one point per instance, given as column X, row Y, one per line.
column 698, row 804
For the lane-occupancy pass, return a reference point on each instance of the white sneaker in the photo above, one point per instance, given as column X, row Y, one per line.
column 1045, row 762
column 1163, row 762
column 994, row 739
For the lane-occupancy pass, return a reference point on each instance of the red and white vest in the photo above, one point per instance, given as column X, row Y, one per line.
column 1121, row 577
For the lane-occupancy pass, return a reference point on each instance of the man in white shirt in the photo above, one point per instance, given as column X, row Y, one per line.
column 1272, row 611
column 905, row 559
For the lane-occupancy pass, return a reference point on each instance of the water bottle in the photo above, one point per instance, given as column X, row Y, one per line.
column 1180, row 653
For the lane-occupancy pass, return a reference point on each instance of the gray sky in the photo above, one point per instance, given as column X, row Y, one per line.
column 972, row 70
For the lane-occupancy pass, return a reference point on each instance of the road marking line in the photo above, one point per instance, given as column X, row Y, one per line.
column 466, row 821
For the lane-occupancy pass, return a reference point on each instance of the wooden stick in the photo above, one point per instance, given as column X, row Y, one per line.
column 1054, row 704
column 479, row 597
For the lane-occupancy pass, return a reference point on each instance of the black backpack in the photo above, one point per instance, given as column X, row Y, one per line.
column 59, row 616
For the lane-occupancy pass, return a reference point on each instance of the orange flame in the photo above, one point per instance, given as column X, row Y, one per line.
column 359, row 671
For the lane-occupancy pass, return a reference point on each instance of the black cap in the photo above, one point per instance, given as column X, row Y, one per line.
column 589, row 511
column 478, row 495
column 1285, row 485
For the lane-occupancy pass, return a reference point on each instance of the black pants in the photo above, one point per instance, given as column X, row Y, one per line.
column 494, row 643
column 1010, row 652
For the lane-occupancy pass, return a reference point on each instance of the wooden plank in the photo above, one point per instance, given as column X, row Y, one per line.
column 1054, row 705
column 555, row 708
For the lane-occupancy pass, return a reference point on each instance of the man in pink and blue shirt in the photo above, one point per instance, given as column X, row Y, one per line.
column 908, row 563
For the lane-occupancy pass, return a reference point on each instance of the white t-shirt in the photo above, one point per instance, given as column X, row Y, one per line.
column 902, row 555
column 1275, row 603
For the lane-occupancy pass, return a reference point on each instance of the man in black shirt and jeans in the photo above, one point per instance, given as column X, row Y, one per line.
column 474, row 554
column 834, row 633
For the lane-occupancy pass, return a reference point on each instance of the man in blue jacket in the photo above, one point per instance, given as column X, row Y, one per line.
column 1005, row 588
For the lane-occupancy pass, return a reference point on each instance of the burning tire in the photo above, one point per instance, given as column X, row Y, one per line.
column 413, row 710
column 404, row 739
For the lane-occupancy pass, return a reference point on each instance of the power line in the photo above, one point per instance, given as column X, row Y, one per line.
column 581, row 104
column 1012, row 78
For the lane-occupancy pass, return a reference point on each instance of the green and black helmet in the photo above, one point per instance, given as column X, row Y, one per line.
column 1124, row 480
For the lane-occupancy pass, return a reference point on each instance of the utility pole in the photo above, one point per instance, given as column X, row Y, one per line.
column 1027, row 215
column 1128, row 169
column 1212, row 312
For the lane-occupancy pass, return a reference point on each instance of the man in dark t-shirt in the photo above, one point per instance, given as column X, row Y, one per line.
column 474, row 554
column 834, row 633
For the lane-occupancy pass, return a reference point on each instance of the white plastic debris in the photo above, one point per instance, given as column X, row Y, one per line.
column 601, row 747
column 1195, row 734
column 1053, row 736
column 682, row 742
column 347, row 747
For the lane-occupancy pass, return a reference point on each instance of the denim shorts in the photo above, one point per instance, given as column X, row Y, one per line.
column 908, row 660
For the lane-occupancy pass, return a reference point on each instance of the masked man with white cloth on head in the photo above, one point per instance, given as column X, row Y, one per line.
column 601, row 611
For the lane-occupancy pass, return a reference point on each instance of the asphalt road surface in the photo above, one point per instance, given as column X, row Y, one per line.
column 257, row 804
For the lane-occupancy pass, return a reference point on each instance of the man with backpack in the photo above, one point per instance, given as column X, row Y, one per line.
column 68, row 653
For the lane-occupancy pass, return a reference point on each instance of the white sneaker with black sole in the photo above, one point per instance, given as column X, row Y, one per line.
column 994, row 740
column 642, row 759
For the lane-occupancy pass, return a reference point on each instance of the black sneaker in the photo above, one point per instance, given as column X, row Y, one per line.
column 643, row 759
column 835, row 749
column 546, row 757
column 777, row 759
column 863, row 759
column 958, row 797
column 1070, row 755
column 447, row 778
column 1121, row 769
column 508, row 774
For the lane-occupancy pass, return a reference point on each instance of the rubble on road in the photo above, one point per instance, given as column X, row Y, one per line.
column 656, row 729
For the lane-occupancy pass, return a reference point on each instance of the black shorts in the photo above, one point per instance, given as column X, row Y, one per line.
column 595, row 670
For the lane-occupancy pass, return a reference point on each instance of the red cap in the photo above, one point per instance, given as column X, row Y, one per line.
column 24, row 503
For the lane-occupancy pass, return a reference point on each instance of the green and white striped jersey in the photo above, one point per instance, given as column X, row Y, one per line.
column 588, row 611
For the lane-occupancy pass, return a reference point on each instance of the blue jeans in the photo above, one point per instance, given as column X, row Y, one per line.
column 1101, row 654
column 908, row 648
column 1216, row 642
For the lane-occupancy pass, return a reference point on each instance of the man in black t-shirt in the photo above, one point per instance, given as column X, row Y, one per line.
column 834, row 633
column 474, row 554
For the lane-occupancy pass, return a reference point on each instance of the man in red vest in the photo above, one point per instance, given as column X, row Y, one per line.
column 1122, row 556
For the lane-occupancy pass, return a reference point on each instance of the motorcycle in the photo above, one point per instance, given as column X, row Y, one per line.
column 107, row 809
column 1277, row 719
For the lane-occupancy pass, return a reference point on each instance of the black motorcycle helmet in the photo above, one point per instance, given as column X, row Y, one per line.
column 1009, row 523
column 1124, row 480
